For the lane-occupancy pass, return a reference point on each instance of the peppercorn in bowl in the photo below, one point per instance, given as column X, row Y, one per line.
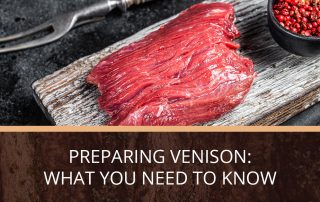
column 295, row 25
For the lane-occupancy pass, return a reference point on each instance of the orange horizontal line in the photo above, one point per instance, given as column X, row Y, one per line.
column 159, row 129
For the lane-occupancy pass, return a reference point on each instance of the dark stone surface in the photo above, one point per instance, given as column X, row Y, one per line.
column 18, row 70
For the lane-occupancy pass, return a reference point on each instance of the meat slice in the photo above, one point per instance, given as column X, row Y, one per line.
column 187, row 72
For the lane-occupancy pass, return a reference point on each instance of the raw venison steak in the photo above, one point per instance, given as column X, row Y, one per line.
column 187, row 72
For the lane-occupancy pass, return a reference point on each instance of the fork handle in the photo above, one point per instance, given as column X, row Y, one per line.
column 128, row 3
column 101, row 9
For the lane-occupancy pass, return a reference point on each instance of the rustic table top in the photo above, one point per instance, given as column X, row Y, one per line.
column 19, row 70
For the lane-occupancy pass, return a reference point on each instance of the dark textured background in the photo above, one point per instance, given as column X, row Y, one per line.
column 24, row 157
column 19, row 70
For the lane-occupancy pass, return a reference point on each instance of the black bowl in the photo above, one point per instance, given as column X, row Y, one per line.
column 294, row 43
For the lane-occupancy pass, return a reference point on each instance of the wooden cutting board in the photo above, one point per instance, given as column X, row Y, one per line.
column 286, row 84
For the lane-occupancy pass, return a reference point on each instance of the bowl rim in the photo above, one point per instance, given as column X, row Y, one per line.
column 273, row 18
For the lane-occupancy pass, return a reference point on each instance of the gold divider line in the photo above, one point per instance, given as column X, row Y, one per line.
column 160, row 129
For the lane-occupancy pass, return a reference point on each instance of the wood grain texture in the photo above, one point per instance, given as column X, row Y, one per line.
column 283, row 81
column 17, row 168
column 294, row 156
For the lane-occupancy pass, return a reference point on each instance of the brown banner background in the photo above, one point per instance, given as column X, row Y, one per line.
column 24, row 156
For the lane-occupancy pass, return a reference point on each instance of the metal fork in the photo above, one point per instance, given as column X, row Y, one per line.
column 62, row 24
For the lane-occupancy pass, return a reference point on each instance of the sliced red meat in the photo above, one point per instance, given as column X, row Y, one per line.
column 185, row 73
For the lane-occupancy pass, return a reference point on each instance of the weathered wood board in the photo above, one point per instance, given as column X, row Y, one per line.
column 286, row 84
